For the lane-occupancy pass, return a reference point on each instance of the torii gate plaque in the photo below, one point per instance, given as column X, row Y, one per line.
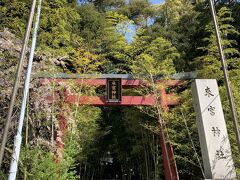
column 114, row 84
column 114, row 90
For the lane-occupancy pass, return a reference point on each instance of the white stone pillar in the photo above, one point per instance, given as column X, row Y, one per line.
column 215, row 146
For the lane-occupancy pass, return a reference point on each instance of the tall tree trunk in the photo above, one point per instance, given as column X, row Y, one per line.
column 145, row 157
column 84, row 173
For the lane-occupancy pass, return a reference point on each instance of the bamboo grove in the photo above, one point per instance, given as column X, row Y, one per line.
column 94, row 37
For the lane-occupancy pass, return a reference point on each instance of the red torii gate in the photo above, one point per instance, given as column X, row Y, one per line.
column 166, row 100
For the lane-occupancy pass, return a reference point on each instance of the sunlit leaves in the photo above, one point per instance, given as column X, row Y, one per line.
column 209, row 64
column 156, row 59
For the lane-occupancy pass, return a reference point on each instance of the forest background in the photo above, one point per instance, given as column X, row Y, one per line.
column 90, row 37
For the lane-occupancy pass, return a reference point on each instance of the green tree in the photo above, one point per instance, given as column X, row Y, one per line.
column 105, row 5
column 140, row 11
column 177, row 21
column 58, row 27
column 114, row 47
column 157, row 59
column 172, row 10
column 91, row 25
column 209, row 64
column 14, row 15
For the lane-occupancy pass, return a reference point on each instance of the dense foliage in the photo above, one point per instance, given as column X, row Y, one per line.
column 92, row 36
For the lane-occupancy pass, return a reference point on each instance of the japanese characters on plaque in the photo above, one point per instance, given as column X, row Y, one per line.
column 114, row 90
column 215, row 146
